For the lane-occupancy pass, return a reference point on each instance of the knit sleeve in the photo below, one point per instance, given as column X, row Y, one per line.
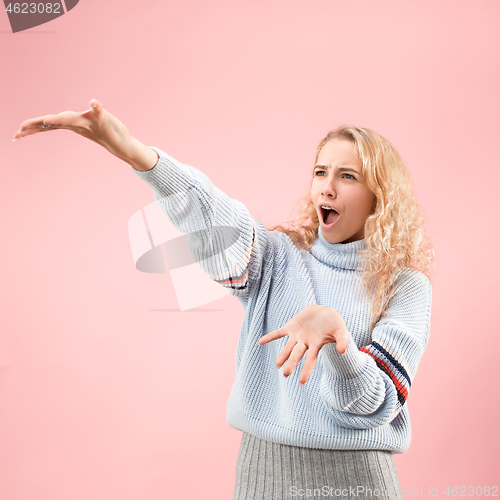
column 221, row 235
column 368, row 386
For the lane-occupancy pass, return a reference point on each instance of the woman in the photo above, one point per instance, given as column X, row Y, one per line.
column 345, row 285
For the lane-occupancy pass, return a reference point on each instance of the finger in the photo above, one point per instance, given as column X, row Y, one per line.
column 309, row 364
column 275, row 334
column 46, row 123
column 31, row 131
column 296, row 355
column 27, row 125
column 285, row 352
column 95, row 106
column 342, row 341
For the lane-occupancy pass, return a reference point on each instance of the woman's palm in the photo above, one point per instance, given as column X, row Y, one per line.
column 309, row 330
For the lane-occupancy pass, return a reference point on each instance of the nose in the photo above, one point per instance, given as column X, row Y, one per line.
column 328, row 189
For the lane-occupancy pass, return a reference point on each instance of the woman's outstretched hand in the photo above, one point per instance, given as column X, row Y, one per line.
column 309, row 330
column 99, row 126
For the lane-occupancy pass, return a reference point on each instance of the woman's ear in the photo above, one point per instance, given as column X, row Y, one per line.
column 374, row 206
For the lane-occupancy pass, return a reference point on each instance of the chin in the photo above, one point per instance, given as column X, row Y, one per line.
column 341, row 238
column 330, row 237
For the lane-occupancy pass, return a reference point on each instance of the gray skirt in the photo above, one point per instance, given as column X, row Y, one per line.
column 272, row 471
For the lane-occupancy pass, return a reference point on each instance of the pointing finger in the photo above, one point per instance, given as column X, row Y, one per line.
column 275, row 334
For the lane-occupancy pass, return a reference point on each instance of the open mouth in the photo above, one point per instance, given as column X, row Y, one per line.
column 329, row 215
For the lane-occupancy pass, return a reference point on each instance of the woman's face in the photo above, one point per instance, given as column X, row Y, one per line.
column 338, row 182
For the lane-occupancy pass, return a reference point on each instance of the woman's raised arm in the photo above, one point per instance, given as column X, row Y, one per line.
column 99, row 126
column 223, row 238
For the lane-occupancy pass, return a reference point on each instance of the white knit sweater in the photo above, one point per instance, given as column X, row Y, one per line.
column 352, row 401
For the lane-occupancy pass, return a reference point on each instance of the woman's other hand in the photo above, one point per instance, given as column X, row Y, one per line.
column 99, row 126
column 309, row 330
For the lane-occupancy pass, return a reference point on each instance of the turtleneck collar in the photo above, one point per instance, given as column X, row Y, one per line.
column 339, row 255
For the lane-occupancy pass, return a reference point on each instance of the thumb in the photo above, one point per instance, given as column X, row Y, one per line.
column 342, row 342
column 95, row 106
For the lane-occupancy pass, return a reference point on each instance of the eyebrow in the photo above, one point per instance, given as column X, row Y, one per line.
column 341, row 169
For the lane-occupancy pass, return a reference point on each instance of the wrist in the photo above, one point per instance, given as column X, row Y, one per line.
column 139, row 156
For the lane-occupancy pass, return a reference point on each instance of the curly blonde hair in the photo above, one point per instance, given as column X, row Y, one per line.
column 394, row 233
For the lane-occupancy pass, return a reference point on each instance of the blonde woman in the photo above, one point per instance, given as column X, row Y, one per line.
column 337, row 308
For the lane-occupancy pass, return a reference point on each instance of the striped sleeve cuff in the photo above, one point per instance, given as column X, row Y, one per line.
column 390, row 366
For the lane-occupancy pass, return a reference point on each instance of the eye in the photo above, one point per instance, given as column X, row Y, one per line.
column 351, row 176
column 317, row 172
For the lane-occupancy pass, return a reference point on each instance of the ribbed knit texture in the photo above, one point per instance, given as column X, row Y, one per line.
column 353, row 401
column 272, row 471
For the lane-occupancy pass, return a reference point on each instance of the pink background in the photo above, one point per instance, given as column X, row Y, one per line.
column 107, row 391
